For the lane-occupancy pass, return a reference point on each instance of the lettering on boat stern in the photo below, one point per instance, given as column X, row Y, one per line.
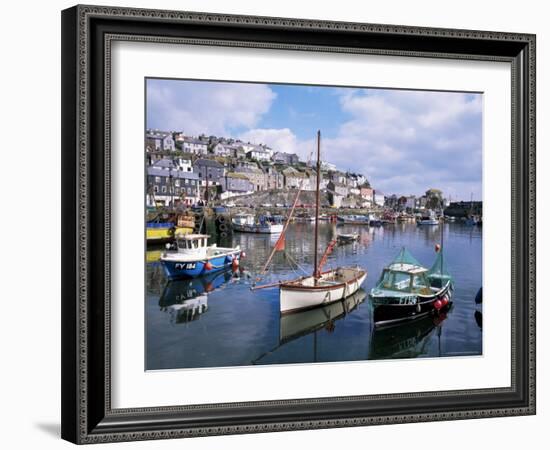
column 184, row 266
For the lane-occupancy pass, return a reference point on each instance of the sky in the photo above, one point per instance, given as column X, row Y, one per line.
column 403, row 141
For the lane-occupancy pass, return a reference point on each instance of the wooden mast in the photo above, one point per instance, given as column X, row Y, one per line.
column 315, row 271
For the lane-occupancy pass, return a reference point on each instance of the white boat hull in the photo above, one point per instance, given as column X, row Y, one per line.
column 274, row 228
column 304, row 294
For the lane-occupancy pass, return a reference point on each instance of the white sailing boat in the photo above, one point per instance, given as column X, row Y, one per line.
column 320, row 288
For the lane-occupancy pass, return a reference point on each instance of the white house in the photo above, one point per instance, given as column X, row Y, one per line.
column 223, row 149
column 259, row 154
column 196, row 146
column 379, row 198
column 159, row 141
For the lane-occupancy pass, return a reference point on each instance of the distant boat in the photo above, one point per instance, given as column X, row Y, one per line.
column 304, row 219
column 348, row 238
column 428, row 218
column 406, row 290
column 320, row 288
column 374, row 220
column 247, row 223
column 354, row 219
column 192, row 257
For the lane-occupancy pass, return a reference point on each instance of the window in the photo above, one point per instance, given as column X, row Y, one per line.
column 177, row 183
column 186, row 181
column 163, row 189
column 155, row 188
column 157, row 180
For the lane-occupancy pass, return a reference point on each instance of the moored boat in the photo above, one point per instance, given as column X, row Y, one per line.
column 406, row 290
column 193, row 257
column 428, row 218
column 353, row 219
column 322, row 287
column 247, row 223
column 347, row 238
column 159, row 232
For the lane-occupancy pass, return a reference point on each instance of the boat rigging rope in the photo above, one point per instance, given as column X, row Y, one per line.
column 291, row 259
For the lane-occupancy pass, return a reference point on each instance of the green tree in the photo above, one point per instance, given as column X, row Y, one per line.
column 434, row 199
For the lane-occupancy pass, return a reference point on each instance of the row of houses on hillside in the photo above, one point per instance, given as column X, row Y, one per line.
column 409, row 202
column 182, row 179
column 165, row 141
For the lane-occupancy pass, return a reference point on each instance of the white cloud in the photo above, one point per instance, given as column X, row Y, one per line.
column 210, row 108
column 281, row 140
column 408, row 141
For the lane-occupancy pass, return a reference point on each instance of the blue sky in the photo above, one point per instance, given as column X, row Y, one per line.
column 404, row 141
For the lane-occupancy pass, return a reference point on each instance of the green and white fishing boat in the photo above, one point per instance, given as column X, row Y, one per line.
column 407, row 290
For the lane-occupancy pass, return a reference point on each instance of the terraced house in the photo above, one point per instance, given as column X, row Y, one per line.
column 169, row 187
column 159, row 141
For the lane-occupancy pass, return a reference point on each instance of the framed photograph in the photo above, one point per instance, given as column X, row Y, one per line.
column 279, row 224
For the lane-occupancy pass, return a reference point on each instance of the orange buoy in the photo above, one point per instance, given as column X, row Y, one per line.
column 208, row 265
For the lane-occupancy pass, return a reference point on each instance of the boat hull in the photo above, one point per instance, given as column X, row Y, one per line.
column 175, row 269
column 386, row 311
column 159, row 235
column 295, row 297
column 259, row 229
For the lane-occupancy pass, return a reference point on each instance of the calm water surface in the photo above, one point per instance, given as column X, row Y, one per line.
column 219, row 321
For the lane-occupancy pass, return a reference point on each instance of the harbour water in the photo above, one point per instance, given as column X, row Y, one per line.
column 218, row 321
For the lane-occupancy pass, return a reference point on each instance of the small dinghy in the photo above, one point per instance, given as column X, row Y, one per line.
column 348, row 238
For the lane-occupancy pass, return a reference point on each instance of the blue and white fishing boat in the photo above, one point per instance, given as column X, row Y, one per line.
column 193, row 257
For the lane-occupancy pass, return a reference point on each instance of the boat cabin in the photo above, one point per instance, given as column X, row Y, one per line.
column 192, row 244
column 406, row 278
column 244, row 219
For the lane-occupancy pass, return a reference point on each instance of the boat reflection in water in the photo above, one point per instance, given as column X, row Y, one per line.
column 302, row 323
column 407, row 340
column 186, row 300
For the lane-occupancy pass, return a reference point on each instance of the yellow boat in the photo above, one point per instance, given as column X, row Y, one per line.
column 160, row 232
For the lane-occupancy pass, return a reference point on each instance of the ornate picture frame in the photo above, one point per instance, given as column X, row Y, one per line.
column 88, row 33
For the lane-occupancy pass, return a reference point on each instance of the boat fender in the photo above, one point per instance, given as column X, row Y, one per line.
column 418, row 308
column 223, row 227
column 208, row 266
column 235, row 263
column 243, row 255
column 437, row 248
column 438, row 304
